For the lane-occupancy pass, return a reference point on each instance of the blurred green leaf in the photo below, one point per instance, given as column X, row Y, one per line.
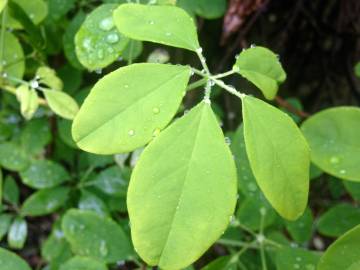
column 11, row 190
column 11, row 261
column 17, row 233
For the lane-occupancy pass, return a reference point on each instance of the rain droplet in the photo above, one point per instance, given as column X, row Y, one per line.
column 252, row 46
column 199, row 50
column 296, row 266
column 98, row 71
column 87, row 43
column 106, row 24
column 227, row 140
column 168, row 34
column 131, row 132
column 151, row 22
column 34, row 84
column 100, row 54
column 126, row 86
column 155, row 110
column 112, row 38
column 110, row 50
column 342, row 171
column 334, row 160
column 252, row 187
column 103, row 249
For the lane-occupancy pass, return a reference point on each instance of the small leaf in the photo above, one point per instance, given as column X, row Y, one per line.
column 357, row 69
column 261, row 67
column 5, row 222
column 353, row 188
column 36, row 10
column 167, row 25
column 12, row 157
column 339, row 219
column 48, row 77
column 90, row 234
column 344, row 253
column 207, row 9
column 61, row 103
column 279, row 156
column 133, row 102
column 89, row 201
column 223, row 263
column 28, row 99
column 13, row 56
column 333, row 136
column 44, row 174
column 98, row 43
column 11, row 190
column 45, row 201
column 301, row 229
column 185, row 178
column 17, row 233
column 11, row 261
column 59, row 8
column 83, row 263
column 35, row 135
column 296, row 258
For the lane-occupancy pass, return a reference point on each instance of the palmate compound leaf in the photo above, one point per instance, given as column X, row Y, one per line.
column 279, row 156
column 129, row 106
column 344, row 253
column 182, row 192
column 333, row 136
column 261, row 66
column 167, row 25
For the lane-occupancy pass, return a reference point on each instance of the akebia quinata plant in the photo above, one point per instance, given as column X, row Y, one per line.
column 183, row 190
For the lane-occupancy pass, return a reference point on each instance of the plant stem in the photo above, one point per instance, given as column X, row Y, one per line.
column 129, row 62
column 225, row 74
column 261, row 241
column 196, row 84
column 236, row 243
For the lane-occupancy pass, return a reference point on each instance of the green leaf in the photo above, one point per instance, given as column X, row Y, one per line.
column 167, row 25
column 89, row 201
column 185, row 178
column 83, row 263
column 301, row 229
column 357, row 69
column 11, row 190
column 45, row 201
column 11, row 261
column 48, row 77
column 44, row 174
column 69, row 39
column 61, row 103
column 12, row 158
column 59, row 8
column 17, row 233
column 296, row 258
column 98, row 43
column 5, row 221
column 133, row 102
column 35, row 135
column 344, row 253
column 222, row 263
column 13, row 56
column 333, row 136
column 133, row 50
column 207, row 9
column 279, row 156
column 339, row 219
column 1, row 187
column 110, row 181
column 261, row 66
column 92, row 235
column 353, row 188
column 2, row 4
column 29, row 101
column 36, row 10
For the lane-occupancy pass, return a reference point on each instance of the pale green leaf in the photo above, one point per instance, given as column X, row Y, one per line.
column 261, row 66
column 13, row 56
column 279, row 156
column 204, row 8
column 182, row 191
column 29, row 101
column 333, row 136
column 2, row 4
column 83, row 263
column 44, row 174
column 11, row 191
column 90, row 234
column 48, row 77
column 344, row 253
column 133, row 102
column 61, row 103
column 338, row 219
column 45, row 201
column 5, row 222
column 89, row 201
column 167, row 25
column 296, row 259
column 11, row 261
column 17, row 233
column 98, row 43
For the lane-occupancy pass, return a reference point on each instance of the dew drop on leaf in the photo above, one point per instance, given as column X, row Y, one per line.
column 334, row 160
column 112, row 38
column 106, row 24
column 131, row 132
column 156, row 110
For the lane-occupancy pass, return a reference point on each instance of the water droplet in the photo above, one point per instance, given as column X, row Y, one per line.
column 342, row 171
column 110, row 50
column 252, row 187
column 168, row 34
column 34, row 84
column 126, row 86
column 334, row 160
column 100, row 54
column 252, row 46
column 263, row 211
column 192, row 72
column 112, row 38
column 207, row 101
column 298, row 259
column 131, row 132
column 103, row 249
column 309, row 267
column 199, row 50
column 151, row 22
column 106, row 24
column 32, row 16
column 260, row 238
column 87, row 44
column 155, row 110
column 98, row 71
